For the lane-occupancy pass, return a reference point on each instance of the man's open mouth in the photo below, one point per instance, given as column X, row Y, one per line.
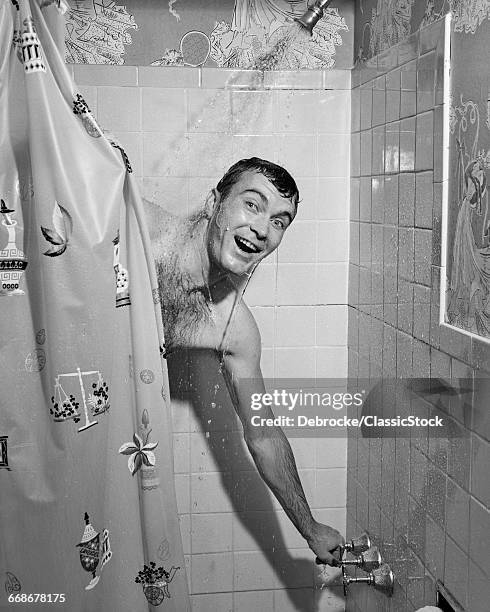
column 246, row 246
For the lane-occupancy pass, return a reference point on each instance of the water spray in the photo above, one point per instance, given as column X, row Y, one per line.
column 313, row 15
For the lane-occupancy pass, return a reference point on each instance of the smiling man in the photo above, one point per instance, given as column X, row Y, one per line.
column 203, row 263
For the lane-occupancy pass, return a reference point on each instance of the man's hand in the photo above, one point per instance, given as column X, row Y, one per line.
column 325, row 542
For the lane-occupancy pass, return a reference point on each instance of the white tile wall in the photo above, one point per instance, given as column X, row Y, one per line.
column 182, row 128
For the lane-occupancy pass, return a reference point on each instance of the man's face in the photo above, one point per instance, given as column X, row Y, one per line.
column 248, row 224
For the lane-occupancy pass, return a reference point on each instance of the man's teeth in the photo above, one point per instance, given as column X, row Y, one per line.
column 248, row 244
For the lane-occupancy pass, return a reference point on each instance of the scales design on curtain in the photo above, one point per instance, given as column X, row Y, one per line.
column 77, row 294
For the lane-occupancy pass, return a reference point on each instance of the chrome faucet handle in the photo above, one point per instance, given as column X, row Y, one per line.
column 381, row 579
column 368, row 560
column 359, row 544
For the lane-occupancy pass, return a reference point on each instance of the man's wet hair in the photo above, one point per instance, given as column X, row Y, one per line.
column 277, row 175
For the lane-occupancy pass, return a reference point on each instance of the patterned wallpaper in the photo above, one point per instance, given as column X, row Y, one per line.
column 379, row 24
column 222, row 33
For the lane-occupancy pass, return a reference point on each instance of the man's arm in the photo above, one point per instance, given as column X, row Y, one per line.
column 269, row 447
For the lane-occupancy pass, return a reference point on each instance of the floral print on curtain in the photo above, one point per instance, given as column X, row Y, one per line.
column 84, row 385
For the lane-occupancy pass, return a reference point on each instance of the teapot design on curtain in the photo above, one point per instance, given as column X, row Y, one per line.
column 73, row 249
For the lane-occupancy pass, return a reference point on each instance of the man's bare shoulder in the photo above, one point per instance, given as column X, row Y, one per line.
column 162, row 225
column 243, row 337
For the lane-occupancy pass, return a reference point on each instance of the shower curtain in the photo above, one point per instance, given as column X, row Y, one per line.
column 88, row 515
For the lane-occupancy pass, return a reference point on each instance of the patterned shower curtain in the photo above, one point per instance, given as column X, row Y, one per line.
column 88, row 515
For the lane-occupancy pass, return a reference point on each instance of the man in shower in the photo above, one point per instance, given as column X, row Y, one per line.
column 203, row 263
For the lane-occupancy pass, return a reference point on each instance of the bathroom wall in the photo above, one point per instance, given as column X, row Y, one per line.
column 425, row 499
column 182, row 128
column 227, row 33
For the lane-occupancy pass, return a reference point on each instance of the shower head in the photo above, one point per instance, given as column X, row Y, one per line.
column 313, row 14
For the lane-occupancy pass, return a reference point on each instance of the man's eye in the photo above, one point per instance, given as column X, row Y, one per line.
column 252, row 205
column 278, row 223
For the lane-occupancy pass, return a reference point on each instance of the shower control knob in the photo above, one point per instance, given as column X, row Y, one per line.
column 383, row 579
column 368, row 560
column 359, row 544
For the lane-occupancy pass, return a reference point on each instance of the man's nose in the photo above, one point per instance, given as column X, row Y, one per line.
column 260, row 227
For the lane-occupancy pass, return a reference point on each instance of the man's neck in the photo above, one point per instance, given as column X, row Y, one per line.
column 213, row 281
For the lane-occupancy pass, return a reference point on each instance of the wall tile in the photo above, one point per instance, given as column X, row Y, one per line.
column 458, row 514
column 356, row 109
column 295, row 284
column 337, row 79
column 423, row 256
column 294, row 362
column 181, row 450
column 250, row 145
column 156, row 158
column 425, row 82
column 331, row 325
column 379, row 102
column 479, row 589
column 221, row 78
column 209, row 110
column 424, row 199
column 333, row 154
column 300, row 244
column 480, row 413
column 333, row 198
column 289, row 599
column 214, row 602
column 354, row 199
column 355, row 159
column 211, row 533
column 169, row 76
column 331, row 362
column 261, row 291
column 253, row 600
column 332, row 111
column 293, row 79
column 91, row 74
column 391, row 199
column 366, row 152
column 164, row 110
column 392, row 148
column 434, row 548
column 208, row 494
column 212, row 573
column 365, row 198
column 459, row 454
column 297, row 111
column 456, row 572
column 406, row 254
column 407, row 145
column 252, row 112
column 331, row 283
column 297, row 155
column 480, row 461
column 328, row 480
column 407, row 199
column 408, row 94
column 124, row 117
column 424, row 146
column 479, row 535
column 299, row 321
column 332, row 240
column 366, row 106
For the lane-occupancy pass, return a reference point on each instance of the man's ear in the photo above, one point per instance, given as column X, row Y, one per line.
column 212, row 201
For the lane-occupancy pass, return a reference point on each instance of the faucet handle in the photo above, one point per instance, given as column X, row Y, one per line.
column 367, row 560
column 383, row 579
column 370, row 559
column 359, row 544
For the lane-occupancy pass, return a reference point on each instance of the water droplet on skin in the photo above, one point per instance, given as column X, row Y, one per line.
column 209, row 421
column 213, row 404
column 207, row 434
